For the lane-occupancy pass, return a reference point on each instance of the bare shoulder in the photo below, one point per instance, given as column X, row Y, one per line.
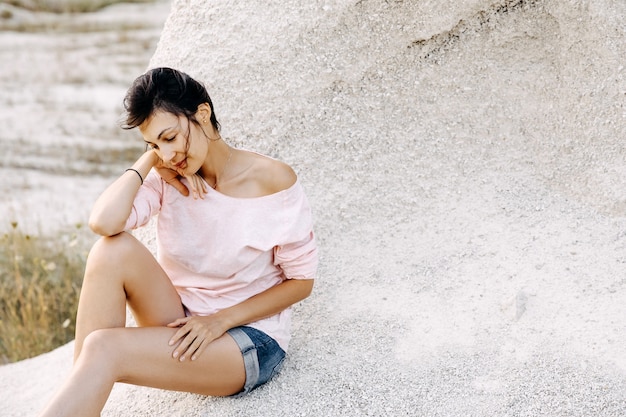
column 270, row 175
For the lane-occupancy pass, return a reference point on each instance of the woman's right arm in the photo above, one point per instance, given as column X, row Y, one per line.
column 111, row 210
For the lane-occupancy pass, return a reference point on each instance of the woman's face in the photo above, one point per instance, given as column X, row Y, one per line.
column 176, row 140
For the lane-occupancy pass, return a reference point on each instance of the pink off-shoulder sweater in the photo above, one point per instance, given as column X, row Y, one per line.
column 221, row 250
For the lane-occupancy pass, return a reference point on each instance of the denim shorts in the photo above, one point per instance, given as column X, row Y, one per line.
column 262, row 356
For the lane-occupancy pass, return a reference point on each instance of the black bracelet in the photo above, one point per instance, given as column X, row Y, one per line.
column 133, row 169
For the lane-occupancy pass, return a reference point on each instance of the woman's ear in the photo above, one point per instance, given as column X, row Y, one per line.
column 203, row 114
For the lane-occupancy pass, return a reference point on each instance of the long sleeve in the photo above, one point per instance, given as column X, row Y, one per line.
column 147, row 202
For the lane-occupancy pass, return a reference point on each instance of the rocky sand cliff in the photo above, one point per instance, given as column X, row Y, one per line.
column 465, row 162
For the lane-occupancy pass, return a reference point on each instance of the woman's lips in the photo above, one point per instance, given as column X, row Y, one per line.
column 182, row 164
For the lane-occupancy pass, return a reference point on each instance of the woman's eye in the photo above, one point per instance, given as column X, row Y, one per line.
column 155, row 146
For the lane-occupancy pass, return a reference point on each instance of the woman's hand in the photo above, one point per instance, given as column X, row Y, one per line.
column 198, row 187
column 194, row 335
column 172, row 177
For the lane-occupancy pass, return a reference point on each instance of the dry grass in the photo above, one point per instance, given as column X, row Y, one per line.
column 39, row 288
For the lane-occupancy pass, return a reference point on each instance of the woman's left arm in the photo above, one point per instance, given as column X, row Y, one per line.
column 266, row 304
column 197, row 332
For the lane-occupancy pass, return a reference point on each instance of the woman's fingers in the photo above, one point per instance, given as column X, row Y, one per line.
column 172, row 177
column 181, row 332
column 190, row 345
column 198, row 351
column 193, row 348
column 193, row 336
column 178, row 322
column 185, row 338
column 176, row 183
column 197, row 186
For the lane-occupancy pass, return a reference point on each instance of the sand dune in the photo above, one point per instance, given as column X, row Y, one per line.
column 465, row 162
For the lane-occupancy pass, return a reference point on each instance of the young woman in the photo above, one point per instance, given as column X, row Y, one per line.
column 235, row 250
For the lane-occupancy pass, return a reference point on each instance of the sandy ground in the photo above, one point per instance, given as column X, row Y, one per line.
column 465, row 162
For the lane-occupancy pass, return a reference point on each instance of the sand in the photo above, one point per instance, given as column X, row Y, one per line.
column 465, row 164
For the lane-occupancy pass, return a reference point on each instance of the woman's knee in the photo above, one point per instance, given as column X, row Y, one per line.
column 117, row 243
column 114, row 248
column 100, row 351
column 99, row 345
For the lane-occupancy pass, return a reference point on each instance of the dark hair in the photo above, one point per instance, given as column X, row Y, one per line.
column 165, row 89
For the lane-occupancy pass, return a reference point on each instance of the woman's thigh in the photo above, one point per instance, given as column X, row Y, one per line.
column 142, row 356
column 122, row 263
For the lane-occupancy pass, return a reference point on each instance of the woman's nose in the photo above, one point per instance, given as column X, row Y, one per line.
column 167, row 153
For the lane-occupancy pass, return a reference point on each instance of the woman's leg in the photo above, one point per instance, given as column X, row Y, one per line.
column 121, row 269
column 141, row 356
